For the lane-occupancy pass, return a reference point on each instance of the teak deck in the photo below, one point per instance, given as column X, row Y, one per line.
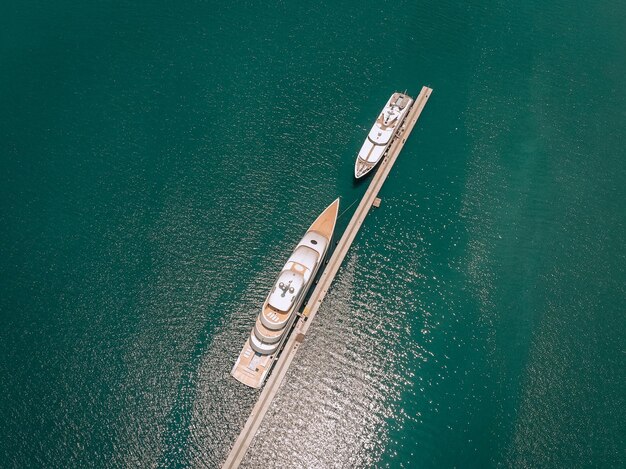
column 273, row 383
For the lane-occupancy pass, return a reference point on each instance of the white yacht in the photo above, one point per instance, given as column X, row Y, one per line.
column 281, row 305
column 385, row 128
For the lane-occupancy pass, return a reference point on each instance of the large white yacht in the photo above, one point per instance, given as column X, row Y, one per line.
column 281, row 305
column 385, row 128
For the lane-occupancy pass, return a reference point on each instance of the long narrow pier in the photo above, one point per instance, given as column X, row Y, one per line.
column 246, row 436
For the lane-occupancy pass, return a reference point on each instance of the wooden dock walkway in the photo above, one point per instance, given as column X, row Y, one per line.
column 246, row 436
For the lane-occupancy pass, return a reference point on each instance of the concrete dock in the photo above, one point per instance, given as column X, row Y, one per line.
column 246, row 436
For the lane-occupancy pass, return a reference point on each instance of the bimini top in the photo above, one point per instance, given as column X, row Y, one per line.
column 286, row 289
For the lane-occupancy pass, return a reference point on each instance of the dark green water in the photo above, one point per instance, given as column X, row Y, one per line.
column 160, row 161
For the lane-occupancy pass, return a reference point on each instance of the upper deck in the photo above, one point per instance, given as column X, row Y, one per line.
column 388, row 121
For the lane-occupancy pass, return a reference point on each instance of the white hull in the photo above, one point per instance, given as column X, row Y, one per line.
column 284, row 300
column 382, row 133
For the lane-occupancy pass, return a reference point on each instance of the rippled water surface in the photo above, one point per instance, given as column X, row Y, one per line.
column 160, row 161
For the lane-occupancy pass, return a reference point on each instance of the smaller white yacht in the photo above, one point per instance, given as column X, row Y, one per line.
column 385, row 128
column 273, row 325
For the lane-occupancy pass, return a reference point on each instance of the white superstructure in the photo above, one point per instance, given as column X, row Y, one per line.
column 282, row 303
column 380, row 136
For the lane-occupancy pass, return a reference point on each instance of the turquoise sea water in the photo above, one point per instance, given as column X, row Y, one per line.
column 161, row 160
